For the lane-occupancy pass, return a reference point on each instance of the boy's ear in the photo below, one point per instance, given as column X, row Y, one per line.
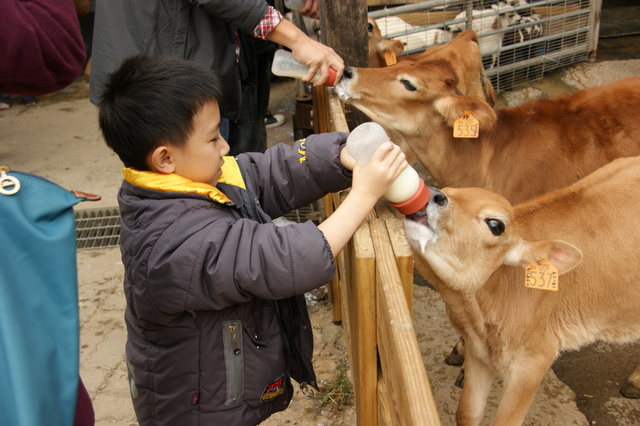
column 161, row 160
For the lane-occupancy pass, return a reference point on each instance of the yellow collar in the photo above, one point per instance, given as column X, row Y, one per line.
column 175, row 183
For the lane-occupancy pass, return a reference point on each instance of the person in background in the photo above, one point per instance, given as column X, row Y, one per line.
column 216, row 317
column 210, row 32
column 5, row 101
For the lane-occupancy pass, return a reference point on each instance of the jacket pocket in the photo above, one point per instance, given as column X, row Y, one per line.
column 266, row 377
column 234, row 360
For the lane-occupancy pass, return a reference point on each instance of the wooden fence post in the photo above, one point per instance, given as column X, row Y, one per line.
column 343, row 26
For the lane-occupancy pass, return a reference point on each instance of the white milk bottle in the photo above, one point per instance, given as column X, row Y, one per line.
column 294, row 4
column 407, row 193
column 286, row 65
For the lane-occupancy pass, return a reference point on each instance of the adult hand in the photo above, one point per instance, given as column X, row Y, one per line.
column 311, row 9
column 317, row 56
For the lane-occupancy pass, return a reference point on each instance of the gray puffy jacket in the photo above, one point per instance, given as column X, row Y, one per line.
column 216, row 316
column 197, row 30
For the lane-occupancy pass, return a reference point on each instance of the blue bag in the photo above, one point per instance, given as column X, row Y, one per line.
column 39, row 325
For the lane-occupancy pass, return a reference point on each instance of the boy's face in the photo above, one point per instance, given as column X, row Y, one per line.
column 200, row 160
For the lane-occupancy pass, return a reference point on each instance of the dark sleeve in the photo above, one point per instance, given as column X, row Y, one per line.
column 289, row 177
column 228, row 261
column 242, row 14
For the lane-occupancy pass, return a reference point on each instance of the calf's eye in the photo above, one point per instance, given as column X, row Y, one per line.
column 407, row 84
column 495, row 226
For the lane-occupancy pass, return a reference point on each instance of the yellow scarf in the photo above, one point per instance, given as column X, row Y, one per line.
column 175, row 183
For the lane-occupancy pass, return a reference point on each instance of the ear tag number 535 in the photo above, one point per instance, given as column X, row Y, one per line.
column 466, row 126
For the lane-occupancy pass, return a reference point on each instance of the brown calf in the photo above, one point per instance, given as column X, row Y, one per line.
column 520, row 152
column 473, row 246
column 381, row 50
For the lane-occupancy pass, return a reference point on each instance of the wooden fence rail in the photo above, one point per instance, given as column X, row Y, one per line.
column 372, row 296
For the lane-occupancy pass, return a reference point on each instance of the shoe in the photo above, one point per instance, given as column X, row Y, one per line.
column 274, row 120
column 4, row 105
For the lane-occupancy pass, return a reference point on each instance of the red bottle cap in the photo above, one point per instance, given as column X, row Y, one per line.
column 332, row 78
column 416, row 202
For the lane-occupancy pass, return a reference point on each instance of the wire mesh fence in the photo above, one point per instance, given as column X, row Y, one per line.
column 519, row 40
column 100, row 228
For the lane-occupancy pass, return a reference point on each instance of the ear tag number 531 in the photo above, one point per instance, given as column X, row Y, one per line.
column 466, row 126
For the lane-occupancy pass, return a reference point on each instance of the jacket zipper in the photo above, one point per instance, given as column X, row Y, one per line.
column 234, row 360
column 234, row 339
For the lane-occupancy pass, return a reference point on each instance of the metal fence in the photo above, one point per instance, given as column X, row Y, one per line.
column 519, row 40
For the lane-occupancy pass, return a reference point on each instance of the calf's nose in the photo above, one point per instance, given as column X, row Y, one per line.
column 438, row 197
column 348, row 72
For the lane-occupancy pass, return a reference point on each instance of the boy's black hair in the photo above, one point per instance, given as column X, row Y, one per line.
column 151, row 100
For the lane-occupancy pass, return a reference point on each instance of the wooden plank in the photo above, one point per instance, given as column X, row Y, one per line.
column 385, row 413
column 355, row 289
column 329, row 203
column 391, row 2
column 400, row 357
column 401, row 249
column 360, row 307
column 422, row 19
column 339, row 281
column 336, row 122
column 320, row 110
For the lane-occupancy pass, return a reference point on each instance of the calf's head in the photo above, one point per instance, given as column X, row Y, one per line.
column 466, row 234
column 380, row 47
column 421, row 90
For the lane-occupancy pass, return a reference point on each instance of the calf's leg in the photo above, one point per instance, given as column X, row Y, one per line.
column 631, row 389
column 477, row 384
column 521, row 383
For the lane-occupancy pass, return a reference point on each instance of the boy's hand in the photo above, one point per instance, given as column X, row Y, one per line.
column 348, row 162
column 383, row 168
column 369, row 183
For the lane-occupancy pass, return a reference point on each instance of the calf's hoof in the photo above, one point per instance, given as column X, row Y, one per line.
column 630, row 391
column 455, row 358
column 460, row 379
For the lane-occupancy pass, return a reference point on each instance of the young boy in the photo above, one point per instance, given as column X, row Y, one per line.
column 216, row 316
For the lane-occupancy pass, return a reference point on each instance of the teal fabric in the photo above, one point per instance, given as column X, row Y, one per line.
column 39, row 325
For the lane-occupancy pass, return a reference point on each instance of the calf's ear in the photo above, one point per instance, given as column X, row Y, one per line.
column 560, row 254
column 487, row 88
column 453, row 107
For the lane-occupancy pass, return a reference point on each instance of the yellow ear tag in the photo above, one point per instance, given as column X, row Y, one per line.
column 542, row 275
column 390, row 58
column 466, row 126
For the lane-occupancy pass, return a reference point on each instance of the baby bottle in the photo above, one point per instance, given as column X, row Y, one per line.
column 407, row 193
column 286, row 65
